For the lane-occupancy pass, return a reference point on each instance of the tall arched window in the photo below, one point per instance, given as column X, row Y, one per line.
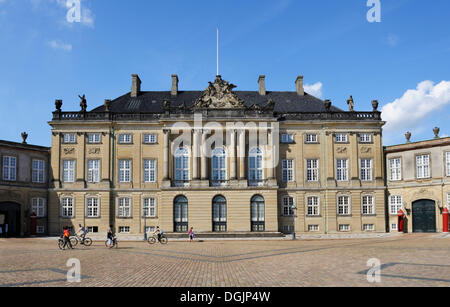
column 257, row 212
column 219, row 166
column 255, row 167
column 182, row 175
column 180, row 214
column 219, row 214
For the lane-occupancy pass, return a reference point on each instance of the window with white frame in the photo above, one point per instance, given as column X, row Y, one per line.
column 313, row 228
column 311, row 138
column 344, row 227
column 312, row 170
column 341, row 137
column 150, row 170
column 288, row 170
column 219, row 165
column 423, row 166
column 69, row 138
column 124, row 207
column 38, row 172
column 124, row 170
column 256, row 167
column 67, row 207
column 287, row 138
column 182, row 167
column 394, row 226
column 448, row 200
column 92, row 207
column 368, row 207
column 38, row 206
column 313, row 207
column 149, row 207
column 342, row 170
column 94, row 138
column 395, row 204
column 149, row 229
column 447, row 159
column 69, row 170
column 288, row 204
column 365, row 138
column 368, row 227
column 366, row 169
column 9, row 168
column 150, row 138
column 92, row 229
column 40, row 229
column 343, row 205
column 93, row 171
column 124, row 229
column 395, row 169
column 125, row 138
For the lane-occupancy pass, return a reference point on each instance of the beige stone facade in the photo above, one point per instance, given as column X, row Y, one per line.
column 24, row 188
column 418, row 181
column 328, row 161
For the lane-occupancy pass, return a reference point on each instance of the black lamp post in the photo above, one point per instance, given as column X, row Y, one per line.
column 294, row 210
column 145, row 227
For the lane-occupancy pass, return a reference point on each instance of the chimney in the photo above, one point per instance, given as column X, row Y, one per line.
column 174, row 91
column 135, row 85
column 299, row 86
column 262, row 85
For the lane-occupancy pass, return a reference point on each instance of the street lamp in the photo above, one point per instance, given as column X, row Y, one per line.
column 294, row 209
column 145, row 227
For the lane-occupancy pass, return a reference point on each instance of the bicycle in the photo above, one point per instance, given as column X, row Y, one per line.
column 61, row 243
column 154, row 238
column 114, row 243
column 75, row 239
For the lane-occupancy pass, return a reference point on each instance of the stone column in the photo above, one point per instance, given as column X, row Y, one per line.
column 204, row 160
column 242, row 155
column 166, row 175
column 270, row 170
column 233, row 155
column 195, row 155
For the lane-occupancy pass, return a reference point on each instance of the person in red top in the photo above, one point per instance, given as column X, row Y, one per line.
column 67, row 238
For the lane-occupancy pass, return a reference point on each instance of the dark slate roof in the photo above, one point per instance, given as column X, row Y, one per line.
column 152, row 102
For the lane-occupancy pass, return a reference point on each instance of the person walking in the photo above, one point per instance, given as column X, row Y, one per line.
column 191, row 234
column 66, row 237
column 110, row 236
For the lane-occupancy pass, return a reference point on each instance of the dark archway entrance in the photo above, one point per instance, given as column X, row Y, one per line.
column 11, row 217
column 424, row 216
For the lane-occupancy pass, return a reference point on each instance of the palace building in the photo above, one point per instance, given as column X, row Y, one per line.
column 219, row 160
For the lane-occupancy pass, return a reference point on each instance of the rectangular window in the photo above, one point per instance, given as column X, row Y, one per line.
column 149, row 207
column 365, row 138
column 124, row 170
column 448, row 200
column 92, row 229
column 287, row 138
column 38, row 171
column 124, row 229
column 93, row 171
column 125, row 139
column 341, row 138
column 394, row 227
column 288, row 203
column 342, row 170
column 69, row 170
column 313, row 208
column 69, row 138
column 313, row 228
column 124, row 207
column 343, row 205
column 288, row 170
column 423, row 166
column 368, row 227
column 368, row 207
column 38, row 206
column 395, row 169
column 94, row 138
column 395, row 204
column 311, row 138
column 149, row 170
column 40, row 229
column 149, row 229
column 366, row 169
column 312, row 170
column 344, row 227
column 67, row 209
column 9, row 168
column 150, row 138
column 92, row 207
column 447, row 159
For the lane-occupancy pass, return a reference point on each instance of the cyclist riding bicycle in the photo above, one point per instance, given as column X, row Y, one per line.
column 83, row 232
column 159, row 232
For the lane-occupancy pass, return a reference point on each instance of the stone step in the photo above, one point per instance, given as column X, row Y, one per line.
column 205, row 235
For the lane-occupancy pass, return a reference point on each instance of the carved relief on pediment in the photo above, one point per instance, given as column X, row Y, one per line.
column 69, row 151
column 94, row 151
column 219, row 95
column 341, row 150
column 366, row 149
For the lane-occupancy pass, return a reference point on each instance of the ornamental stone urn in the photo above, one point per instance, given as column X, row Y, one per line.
column 58, row 105
column 375, row 105
column 107, row 105
column 436, row 131
column 327, row 104
column 24, row 137
column 408, row 137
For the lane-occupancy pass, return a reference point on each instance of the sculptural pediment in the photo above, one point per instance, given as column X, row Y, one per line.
column 219, row 95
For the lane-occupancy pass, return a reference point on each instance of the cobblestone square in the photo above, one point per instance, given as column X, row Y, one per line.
column 406, row 260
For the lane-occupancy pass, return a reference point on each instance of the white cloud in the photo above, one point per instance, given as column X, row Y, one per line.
column 416, row 104
column 314, row 89
column 58, row 45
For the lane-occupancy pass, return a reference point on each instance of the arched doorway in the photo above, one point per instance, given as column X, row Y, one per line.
column 219, row 207
column 257, row 212
column 10, row 215
column 424, row 216
column 180, row 214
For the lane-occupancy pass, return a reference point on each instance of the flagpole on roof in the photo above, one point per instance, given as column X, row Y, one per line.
column 217, row 51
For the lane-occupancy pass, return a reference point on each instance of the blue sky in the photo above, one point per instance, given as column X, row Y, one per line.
column 403, row 61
